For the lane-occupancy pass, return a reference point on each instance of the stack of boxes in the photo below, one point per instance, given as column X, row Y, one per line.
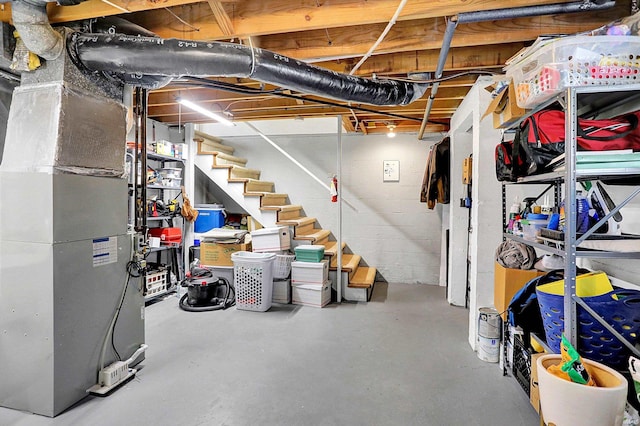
column 276, row 240
column 310, row 277
column 215, row 253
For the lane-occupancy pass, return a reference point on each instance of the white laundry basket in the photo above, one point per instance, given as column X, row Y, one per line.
column 253, row 276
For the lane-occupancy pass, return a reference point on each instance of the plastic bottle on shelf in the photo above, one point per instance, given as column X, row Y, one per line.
column 582, row 209
column 513, row 213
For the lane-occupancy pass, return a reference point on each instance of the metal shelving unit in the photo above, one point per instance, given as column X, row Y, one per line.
column 581, row 102
column 173, row 255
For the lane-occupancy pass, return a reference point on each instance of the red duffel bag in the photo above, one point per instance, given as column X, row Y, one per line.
column 540, row 137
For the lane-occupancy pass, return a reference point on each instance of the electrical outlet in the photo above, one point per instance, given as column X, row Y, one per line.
column 113, row 373
column 139, row 243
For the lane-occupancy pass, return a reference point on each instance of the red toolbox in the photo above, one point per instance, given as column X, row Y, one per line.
column 167, row 235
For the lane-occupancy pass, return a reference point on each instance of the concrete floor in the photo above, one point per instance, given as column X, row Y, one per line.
column 402, row 359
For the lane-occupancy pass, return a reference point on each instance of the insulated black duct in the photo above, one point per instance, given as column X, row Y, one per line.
column 153, row 56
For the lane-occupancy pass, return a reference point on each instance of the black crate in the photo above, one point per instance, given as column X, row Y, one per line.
column 521, row 368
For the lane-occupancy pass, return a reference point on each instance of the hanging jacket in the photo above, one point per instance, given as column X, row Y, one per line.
column 435, row 184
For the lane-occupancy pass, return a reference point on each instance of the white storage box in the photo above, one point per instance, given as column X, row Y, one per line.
column 309, row 272
column 572, row 62
column 317, row 295
column 271, row 239
column 281, row 291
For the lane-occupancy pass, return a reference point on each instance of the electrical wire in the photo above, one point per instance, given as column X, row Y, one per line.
column 375, row 45
column 193, row 28
column 113, row 343
column 447, row 78
column 112, row 324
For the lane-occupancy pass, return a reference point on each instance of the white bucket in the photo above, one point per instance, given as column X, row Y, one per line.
column 489, row 349
column 564, row 403
column 489, row 323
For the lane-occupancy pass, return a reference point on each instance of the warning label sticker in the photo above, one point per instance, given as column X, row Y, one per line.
column 105, row 251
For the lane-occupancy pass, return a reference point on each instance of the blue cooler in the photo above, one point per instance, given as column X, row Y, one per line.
column 210, row 216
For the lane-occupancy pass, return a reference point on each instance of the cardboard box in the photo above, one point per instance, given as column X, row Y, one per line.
column 164, row 148
column 534, row 391
column 507, row 282
column 215, row 254
column 503, row 108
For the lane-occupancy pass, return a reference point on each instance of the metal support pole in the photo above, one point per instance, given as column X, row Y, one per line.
column 570, row 209
column 339, row 189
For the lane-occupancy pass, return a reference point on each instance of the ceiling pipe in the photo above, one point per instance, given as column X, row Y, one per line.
column 500, row 14
column 150, row 62
column 32, row 23
column 153, row 56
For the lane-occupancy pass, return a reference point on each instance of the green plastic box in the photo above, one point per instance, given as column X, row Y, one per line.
column 309, row 253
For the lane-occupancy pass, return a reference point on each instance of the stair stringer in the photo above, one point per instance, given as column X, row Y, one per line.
column 235, row 190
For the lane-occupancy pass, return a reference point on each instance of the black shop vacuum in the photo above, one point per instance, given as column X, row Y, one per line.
column 206, row 292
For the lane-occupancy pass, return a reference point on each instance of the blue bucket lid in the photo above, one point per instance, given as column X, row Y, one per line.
column 537, row 216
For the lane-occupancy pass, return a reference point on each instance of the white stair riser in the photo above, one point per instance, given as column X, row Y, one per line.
column 349, row 294
column 236, row 191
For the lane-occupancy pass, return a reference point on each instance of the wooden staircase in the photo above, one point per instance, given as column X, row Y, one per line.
column 358, row 277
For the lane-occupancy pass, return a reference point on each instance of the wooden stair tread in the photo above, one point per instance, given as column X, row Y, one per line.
column 263, row 193
column 253, row 181
column 363, row 278
column 331, row 248
column 297, row 222
column 349, row 262
column 233, row 158
column 204, row 135
column 213, row 148
column 320, row 234
column 285, row 208
column 243, row 172
column 212, row 142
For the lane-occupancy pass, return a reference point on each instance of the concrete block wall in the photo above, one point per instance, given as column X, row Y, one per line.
column 384, row 222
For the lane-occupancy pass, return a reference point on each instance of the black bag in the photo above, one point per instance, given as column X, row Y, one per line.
column 508, row 166
column 540, row 138
column 524, row 310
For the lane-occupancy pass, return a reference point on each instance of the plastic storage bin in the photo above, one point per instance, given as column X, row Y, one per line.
column 210, row 216
column 171, row 173
column 532, row 225
column 253, row 276
column 271, row 239
column 309, row 253
column 317, row 295
column 572, row 62
column 309, row 272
